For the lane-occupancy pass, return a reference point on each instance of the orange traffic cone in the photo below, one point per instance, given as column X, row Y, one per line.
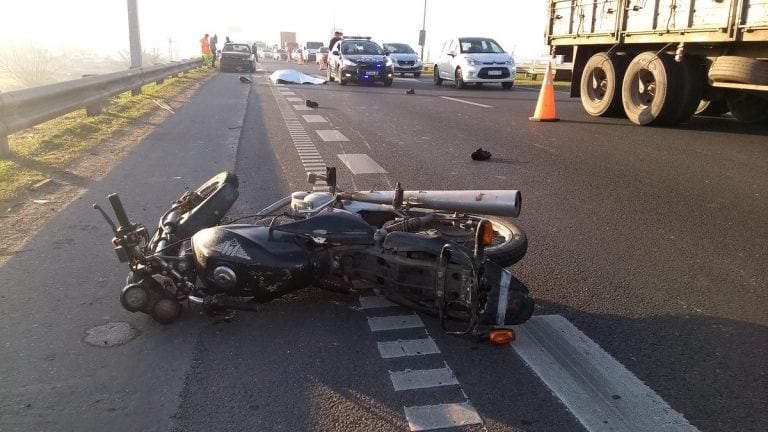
column 323, row 64
column 301, row 60
column 545, row 107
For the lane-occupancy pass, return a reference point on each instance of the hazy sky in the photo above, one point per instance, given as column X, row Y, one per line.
column 102, row 25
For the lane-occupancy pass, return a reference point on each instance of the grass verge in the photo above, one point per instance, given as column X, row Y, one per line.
column 53, row 145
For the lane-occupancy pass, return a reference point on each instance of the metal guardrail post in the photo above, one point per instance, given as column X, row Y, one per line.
column 22, row 109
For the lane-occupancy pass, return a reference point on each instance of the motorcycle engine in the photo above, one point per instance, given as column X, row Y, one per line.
column 305, row 202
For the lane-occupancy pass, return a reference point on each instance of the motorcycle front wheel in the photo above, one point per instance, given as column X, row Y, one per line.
column 211, row 202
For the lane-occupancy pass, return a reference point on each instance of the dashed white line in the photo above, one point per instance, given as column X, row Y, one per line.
column 424, row 378
column 294, row 99
column 331, row 135
column 309, row 118
column 302, row 108
column 394, row 322
column 407, row 348
column 466, row 102
column 361, row 164
column 422, row 418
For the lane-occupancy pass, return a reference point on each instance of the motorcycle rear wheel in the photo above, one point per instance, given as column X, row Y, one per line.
column 218, row 194
column 509, row 242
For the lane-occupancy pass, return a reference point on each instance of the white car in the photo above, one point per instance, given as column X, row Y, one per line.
column 405, row 59
column 478, row 60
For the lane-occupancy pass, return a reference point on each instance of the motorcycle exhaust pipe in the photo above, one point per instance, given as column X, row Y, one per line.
column 504, row 203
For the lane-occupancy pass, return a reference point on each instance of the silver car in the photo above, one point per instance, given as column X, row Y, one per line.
column 404, row 58
column 478, row 60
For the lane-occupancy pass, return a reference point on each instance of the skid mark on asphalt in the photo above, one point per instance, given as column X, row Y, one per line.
column 423, row 417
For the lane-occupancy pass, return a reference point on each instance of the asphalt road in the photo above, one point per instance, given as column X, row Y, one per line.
column 649, row 241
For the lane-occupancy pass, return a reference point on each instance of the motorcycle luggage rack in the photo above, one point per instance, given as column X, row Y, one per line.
column 446, row 253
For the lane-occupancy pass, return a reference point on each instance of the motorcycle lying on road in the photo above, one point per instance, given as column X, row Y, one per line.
column 438, row 252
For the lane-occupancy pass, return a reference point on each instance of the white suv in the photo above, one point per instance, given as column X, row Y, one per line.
column 476, row 60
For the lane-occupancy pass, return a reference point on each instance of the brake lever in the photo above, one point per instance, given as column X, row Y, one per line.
column 109, row 221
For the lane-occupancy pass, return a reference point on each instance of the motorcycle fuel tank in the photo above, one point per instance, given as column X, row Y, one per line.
column 247, row 260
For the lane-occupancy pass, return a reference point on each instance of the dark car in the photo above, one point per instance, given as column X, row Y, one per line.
column 237, row 57
column 359, row 59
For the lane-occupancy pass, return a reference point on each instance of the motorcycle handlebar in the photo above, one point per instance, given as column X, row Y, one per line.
column 117, row 206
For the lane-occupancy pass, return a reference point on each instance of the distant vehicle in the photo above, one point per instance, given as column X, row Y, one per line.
column 404, row 58
column 322, row 55
column 280, row 54
column 310, row 51
column 265, row 53
column 237, row 57
column 296, row 54
column 359, row 59
column 477, row 60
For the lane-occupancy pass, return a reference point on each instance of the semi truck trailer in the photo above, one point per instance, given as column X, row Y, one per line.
column 659, row 62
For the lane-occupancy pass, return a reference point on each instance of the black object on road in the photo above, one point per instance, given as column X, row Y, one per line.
column 244, row 79
column 481, row 154
column 312, row 104
column 410, row 91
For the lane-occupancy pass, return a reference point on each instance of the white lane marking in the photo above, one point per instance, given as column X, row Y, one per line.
column 302, row 108
column 373, row 302
column 407, row 79
column 309, row 118
column 294, row 99
column 288, row 93
column 394, row 322
column 331, row 135
column 422, row 418
column 361, row 164
column 596, row 388
column 406, row 348
column 424, row 378
column 466, row 102
column 308, row 154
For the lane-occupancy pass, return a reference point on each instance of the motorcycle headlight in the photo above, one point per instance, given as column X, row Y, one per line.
column 347, row 62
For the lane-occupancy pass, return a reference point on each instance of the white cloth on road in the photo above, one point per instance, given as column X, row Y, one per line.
column 288, row 76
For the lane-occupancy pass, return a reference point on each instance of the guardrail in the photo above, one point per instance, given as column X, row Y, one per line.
column 22, row 109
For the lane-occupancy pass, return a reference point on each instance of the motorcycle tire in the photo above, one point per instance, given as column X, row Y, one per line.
column 510, row 242
column 219, row 194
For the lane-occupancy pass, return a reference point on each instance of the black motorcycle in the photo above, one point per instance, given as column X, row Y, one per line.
column 426, row 250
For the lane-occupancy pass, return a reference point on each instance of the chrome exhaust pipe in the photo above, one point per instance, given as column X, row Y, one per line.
column 506, row 203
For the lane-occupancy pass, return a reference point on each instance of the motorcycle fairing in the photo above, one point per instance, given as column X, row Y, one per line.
column 266, row 265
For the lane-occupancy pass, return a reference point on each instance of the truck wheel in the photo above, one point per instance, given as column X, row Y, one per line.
column 746, row 107
column 651, row 89
column 436, row 77
column 601, row 85
column 692, row 83
column 742, row 70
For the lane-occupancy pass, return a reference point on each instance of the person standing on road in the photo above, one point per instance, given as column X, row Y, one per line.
column 205, row 47
column 214, row 39
column 336, row 37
